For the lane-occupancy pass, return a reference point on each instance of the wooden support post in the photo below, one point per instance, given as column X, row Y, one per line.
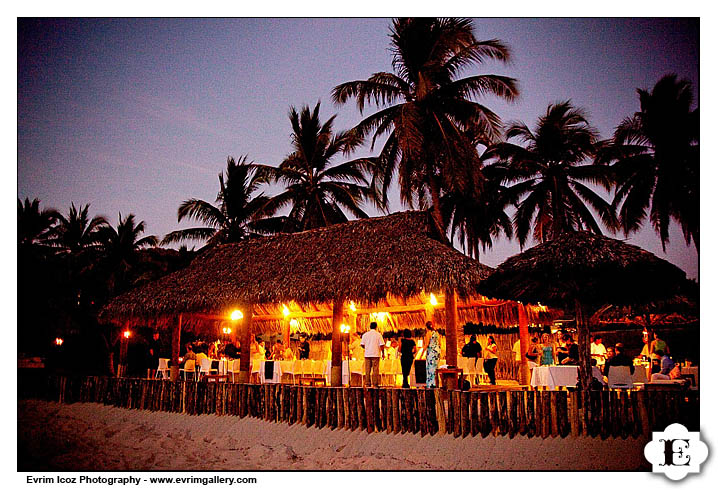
column 452, row 319
column 175, row 349
column 337, row 318
column 524, row 343
column 245, row 342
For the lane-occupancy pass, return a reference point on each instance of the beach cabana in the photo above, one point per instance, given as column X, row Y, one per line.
column 319, row 280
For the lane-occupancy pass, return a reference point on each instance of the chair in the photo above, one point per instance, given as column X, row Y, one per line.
column 189, row 367
column 639, row 375
column 205, row 366
column 319, row 370
column 480, row 372
column 620, row 377
column 290, row 367
column 163, row 368
column 254, row 373
column 233, row 368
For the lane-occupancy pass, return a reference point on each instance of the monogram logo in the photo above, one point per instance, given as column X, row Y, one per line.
column 676, row 452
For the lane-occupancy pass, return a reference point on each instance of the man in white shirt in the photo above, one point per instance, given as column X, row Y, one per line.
column 373, row 344
column 598, row 351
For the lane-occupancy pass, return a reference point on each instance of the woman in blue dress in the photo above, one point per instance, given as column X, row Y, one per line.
column 548, row 351
column 432, row 355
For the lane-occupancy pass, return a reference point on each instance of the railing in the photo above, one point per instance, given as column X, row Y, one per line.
column 461, row 413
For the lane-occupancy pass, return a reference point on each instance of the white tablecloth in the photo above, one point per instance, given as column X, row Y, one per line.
column 277, row 378
column 345, row 372
column 553, row 376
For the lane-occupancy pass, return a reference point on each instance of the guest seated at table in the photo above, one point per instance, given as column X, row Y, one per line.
column 277, row 351
column 610, row 353
column 303, row 347
column 256, row 350
column 667, row 366
column 231, row 350
column 389, row 351
column 201, row 354
column 471, row 350
column 355, row 349
column 620, row 359
column 571, row 356
column 189, row 353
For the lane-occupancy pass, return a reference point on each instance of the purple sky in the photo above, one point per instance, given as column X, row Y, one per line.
column 135, row 116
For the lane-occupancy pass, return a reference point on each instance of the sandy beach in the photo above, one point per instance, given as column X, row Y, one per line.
column 89, row 436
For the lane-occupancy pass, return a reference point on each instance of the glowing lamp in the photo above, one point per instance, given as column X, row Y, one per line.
column 126, row 334
column 344, row 328
column 236, row 315
column 58, row 341
column 433, row 300
column 352, row 306
column 285, row 310
column 227, row 330
column 293, row 323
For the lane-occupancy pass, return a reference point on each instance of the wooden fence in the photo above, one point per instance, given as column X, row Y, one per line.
column 461, row 413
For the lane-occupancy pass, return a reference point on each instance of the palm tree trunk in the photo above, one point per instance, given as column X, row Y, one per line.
column 435, row 209
column 584, row 347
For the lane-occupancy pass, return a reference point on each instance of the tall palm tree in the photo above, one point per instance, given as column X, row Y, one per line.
column 75, row 232
column 238, row 214
column 425, row 108
column 119, row 248
column 33, row 224
column 656, row 154
column 549, row 171
column 318, row 191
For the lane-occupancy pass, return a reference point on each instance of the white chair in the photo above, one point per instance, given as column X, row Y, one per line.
column 205, row 367
column 163, row 369
column 254, row 373
column 290, row 367
column 480, row 372
column 189, row 367
column 233, row 368
column 620, row 377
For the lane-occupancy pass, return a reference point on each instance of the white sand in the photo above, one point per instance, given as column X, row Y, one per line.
column 89, row 436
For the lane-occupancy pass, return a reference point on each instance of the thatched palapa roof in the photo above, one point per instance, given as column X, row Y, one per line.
column 367, row 261
column 582, row 266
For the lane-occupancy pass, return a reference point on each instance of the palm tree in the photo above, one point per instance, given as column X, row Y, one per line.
column 119, row 249
column 33, row 224
column 425, row 109
column 479, row 219
column 238, row 214
column 548, row 171
column 318, row 191
column 75, row 232
column 656, row 154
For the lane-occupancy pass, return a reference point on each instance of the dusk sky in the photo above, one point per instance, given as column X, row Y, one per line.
column 135, row 116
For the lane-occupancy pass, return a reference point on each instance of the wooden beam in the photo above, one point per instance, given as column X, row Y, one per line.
column 524, row 344
column 245, row 343
column 452, row 320
column 337, row 318
column 175, row 348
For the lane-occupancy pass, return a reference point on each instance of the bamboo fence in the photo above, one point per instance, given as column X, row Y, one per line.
column 525, row 412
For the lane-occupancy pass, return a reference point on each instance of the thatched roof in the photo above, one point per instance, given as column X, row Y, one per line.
column 364, row 260
column 591, row 268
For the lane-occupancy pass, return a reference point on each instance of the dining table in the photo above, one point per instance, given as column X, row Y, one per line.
column 276, row 372
column 554, row 376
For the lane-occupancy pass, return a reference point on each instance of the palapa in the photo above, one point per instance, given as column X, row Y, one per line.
column 584, row 270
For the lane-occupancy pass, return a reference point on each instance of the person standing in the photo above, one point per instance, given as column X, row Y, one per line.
column 598, row 352
column 432, row 354
column 303, row 347
column 491, row 358
column 548, row 350
column 155, row 346
column 407, row 350
column 373, row 344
